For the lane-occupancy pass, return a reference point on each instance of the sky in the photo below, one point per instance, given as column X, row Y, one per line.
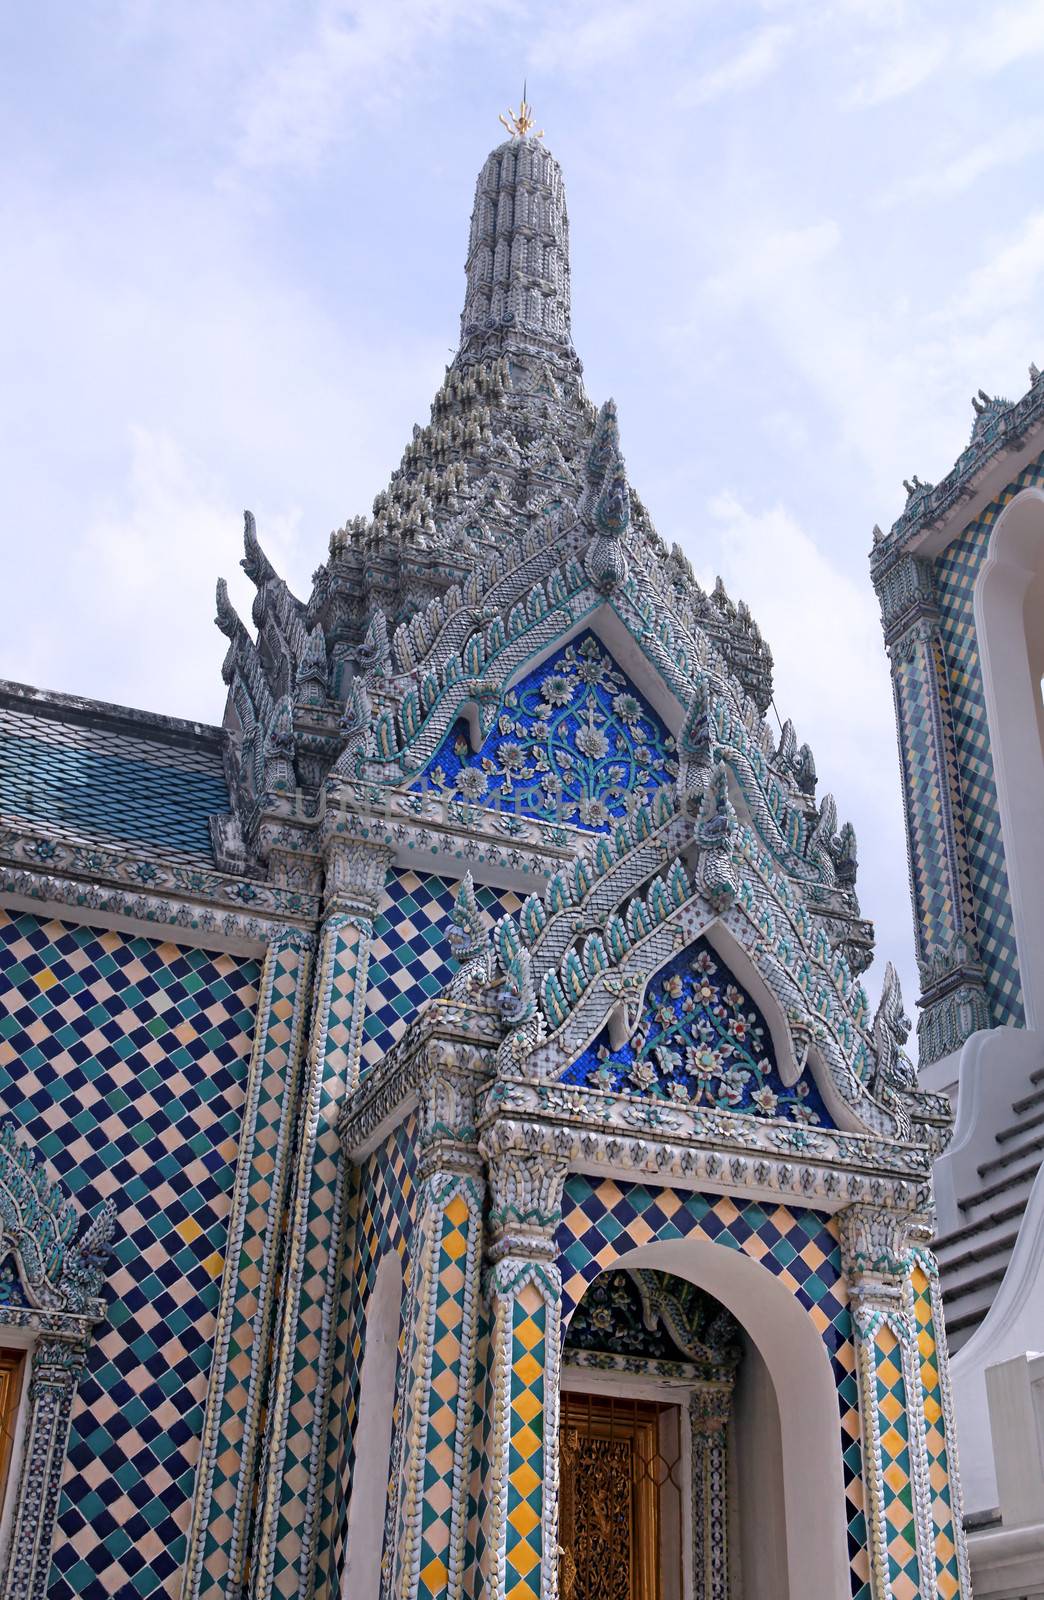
column 804, row 233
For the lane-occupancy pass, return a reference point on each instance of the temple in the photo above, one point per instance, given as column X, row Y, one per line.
column 448, row 1149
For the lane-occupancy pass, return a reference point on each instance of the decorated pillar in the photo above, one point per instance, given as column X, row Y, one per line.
column 57, row 1367
column 709, row 1408
column 915, row 1538
column 284, row 1537
column 219, row 1547
column 953, row 996
column 524, row 1287
column 438, row 1405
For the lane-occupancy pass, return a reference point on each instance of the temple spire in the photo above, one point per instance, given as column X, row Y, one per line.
column 518, row 254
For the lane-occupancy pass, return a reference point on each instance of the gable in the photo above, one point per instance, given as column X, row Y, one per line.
column 575, row 742
column 701, row 1041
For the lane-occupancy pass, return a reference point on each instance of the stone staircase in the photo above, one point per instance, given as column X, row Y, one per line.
column 973, row 1257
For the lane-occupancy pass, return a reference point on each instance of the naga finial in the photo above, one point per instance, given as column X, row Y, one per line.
column 519, row 123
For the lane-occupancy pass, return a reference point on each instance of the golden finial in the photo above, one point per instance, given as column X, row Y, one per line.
column 518, row 123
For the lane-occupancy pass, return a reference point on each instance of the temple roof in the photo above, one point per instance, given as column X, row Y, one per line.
column 97, row 774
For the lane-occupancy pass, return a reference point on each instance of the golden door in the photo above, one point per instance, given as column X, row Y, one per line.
column 608, row 1499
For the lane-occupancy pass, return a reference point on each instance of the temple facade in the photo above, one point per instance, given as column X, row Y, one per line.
column 960, row 578
column 448, row 1149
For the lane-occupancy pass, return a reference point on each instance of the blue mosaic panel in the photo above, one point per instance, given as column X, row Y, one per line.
column 124, row 1061
column 410, row 956
column 956, row 571
column 701, row 1041
column 603, row 1219
column 97, row 784
column 575, row 742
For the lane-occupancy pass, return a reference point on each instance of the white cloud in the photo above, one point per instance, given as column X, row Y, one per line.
column 357, row 58
column 763, row 261
column 831, row 678
column 1005, row 147
column 755, row 61
column 925, row 42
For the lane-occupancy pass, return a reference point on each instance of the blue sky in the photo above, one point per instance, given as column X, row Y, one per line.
column 803, row 235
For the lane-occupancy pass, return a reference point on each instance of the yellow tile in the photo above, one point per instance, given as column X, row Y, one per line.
column 213, row 1264
column 526, row 1442
column 523, row 1519
column 523, row 1558
column 189, row 1229
column 434, row 1576
column 528, row 1369
column 525, row 1480
column 457, row 1210
column 45, row 980
column 527, row 1406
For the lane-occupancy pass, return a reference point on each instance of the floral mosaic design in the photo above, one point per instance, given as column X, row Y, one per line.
column 613, row 1318
column 701, row 1041
column 575, row 742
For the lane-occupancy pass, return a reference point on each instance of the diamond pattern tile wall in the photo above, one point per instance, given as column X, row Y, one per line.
column 947, row 1574
column 124, row 1061
column 409, row 957
column 904, row 1570
column 603, row 1219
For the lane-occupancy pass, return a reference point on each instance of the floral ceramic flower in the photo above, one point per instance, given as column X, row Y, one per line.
column 702, row 1062
column 602, row 1077
column 679, row 1091
column 627, row 708
column 591, row 741
column 804, row 1114
column 673, row 987
column 557, row 690
column 593, row 812
column 764, row 1100
column 642, row 1075
column 732, row 1084
column 510, row 755
column 703, row 962
column 471, row 783
column 667, row 1060
column 460, row 747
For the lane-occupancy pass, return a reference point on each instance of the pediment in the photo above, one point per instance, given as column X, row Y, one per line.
column 574, row 741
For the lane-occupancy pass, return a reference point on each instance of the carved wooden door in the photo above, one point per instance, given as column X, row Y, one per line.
column 609, row 1499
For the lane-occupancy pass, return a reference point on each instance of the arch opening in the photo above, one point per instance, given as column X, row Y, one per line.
column 786, row 1517
column 371, row 1471
column 1009, row 622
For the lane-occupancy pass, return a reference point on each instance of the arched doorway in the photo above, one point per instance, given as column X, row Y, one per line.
column 786, row 1456
column 1009, row 622
column 670, row 1463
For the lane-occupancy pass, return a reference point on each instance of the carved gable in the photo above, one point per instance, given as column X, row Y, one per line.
column 700, row 1041
column 575, row 742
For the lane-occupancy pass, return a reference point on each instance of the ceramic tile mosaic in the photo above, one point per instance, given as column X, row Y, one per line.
column 903, row 1566
column 340, row 979
column 249, row 1294
column 947, row 1574
column 409, row 956
column 575, row 741
column 94, row 783
column 701, row 1041
column 956, row 571
column 930, row 873
column 525, row 1542
column 124, row 1060
column 603, row 1219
